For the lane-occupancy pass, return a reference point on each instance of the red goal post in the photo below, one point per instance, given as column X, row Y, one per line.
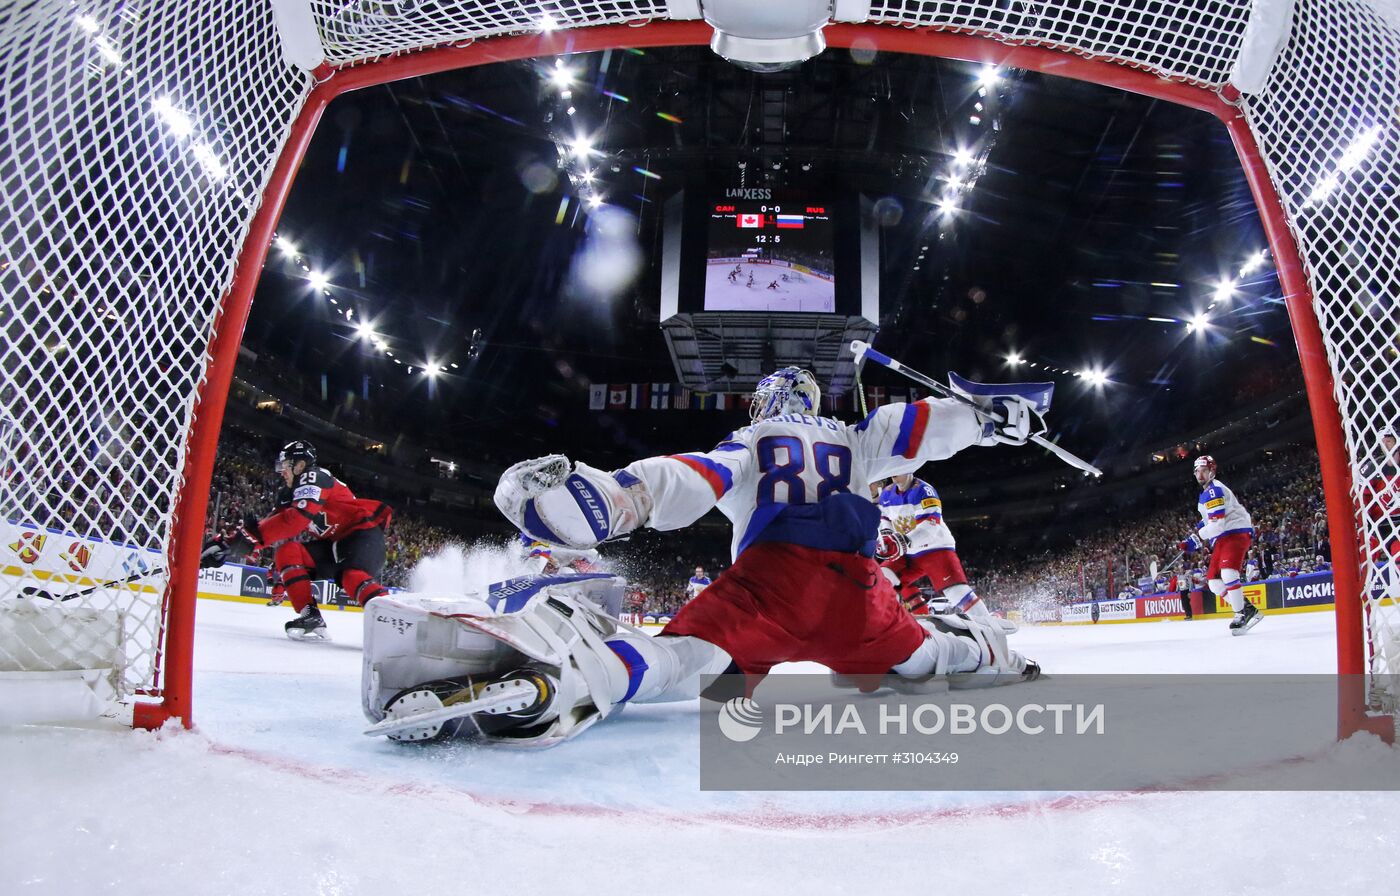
column 194, row 197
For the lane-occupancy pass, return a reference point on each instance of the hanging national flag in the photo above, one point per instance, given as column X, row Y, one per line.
column 617, row 396
column 703, row 401
column 660, row 396
column 681, row 400
column 875, row 396
column 793, row 221
column 722, row 401
column 835, row 404
column 750, row 221
column 597, row 396
column 640, row 395
column 897, row 395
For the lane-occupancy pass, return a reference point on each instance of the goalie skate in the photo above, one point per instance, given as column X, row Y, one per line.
column 434, row 710
column 1000, row 664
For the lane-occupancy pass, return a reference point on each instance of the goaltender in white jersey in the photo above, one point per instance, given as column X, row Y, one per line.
column 803, row 587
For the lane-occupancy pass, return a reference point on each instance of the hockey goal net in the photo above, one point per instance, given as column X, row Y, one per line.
column 149, row 146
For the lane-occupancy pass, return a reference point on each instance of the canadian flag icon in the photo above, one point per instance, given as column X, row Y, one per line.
column 751, row 221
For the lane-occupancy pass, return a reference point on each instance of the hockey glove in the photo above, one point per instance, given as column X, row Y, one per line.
column 214, row 554
column 1191, row 545
column 1019, row 421
column 245, row 539
column 890, row 545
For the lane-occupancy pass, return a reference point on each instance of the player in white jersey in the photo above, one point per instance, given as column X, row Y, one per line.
column 698, row 582
column 1226, row 526
column 803, row 585
column 915, row 543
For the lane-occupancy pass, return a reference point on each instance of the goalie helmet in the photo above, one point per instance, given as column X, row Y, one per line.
column 293, row 452
column 791, row 390
column 1207, row 463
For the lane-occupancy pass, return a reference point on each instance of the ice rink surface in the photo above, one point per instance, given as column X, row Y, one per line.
column 277, row 791
column 803, row 292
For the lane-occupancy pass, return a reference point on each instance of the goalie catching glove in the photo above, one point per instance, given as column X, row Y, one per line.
column 1013, row 412
column 1009, row 420
column 572, row 506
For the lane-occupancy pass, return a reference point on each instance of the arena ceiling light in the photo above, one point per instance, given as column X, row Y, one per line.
column 948, row 206
column 1198, row 323
column 318, row 281
column 1013, row 359
column 562, row 76
column 286, row 247
column 989, row 77
column 582, row 147
column 1224, row 290
column 366, row 332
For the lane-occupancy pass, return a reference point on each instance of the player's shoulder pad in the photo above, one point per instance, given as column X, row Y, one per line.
column 311, row 484
column 319, row 476
column 733, row 441
column 924, row 490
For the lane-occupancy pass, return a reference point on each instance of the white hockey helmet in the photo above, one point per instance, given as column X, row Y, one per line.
column 1204, row 462
column 790, row 390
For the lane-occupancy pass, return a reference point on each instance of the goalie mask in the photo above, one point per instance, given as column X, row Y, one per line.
column 791, row 390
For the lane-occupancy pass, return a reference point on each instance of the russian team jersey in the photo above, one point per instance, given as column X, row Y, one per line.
column 918, row 514
column 1221, row 512
column 696, row 585
column 774, row 479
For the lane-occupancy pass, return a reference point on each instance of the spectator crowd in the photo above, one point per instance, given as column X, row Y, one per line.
column 1102, row 560
column 1283, row 495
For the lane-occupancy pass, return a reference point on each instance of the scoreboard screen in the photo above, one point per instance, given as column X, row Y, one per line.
column 769, row 254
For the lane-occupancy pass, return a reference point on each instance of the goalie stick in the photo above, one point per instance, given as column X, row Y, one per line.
column 32, row 591
column 863, row 350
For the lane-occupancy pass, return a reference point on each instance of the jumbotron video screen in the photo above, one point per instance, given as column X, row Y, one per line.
column 769, row 255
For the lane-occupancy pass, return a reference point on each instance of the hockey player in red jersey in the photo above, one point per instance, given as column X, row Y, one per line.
column 1381, row 500
column 345, row 540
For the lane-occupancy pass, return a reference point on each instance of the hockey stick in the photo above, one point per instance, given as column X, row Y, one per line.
column 863, row 350
column 31, row 591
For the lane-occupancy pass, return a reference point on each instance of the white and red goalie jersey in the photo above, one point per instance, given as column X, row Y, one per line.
column 757, row 472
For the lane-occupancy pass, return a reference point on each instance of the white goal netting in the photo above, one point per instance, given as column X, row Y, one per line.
column 139, row 137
